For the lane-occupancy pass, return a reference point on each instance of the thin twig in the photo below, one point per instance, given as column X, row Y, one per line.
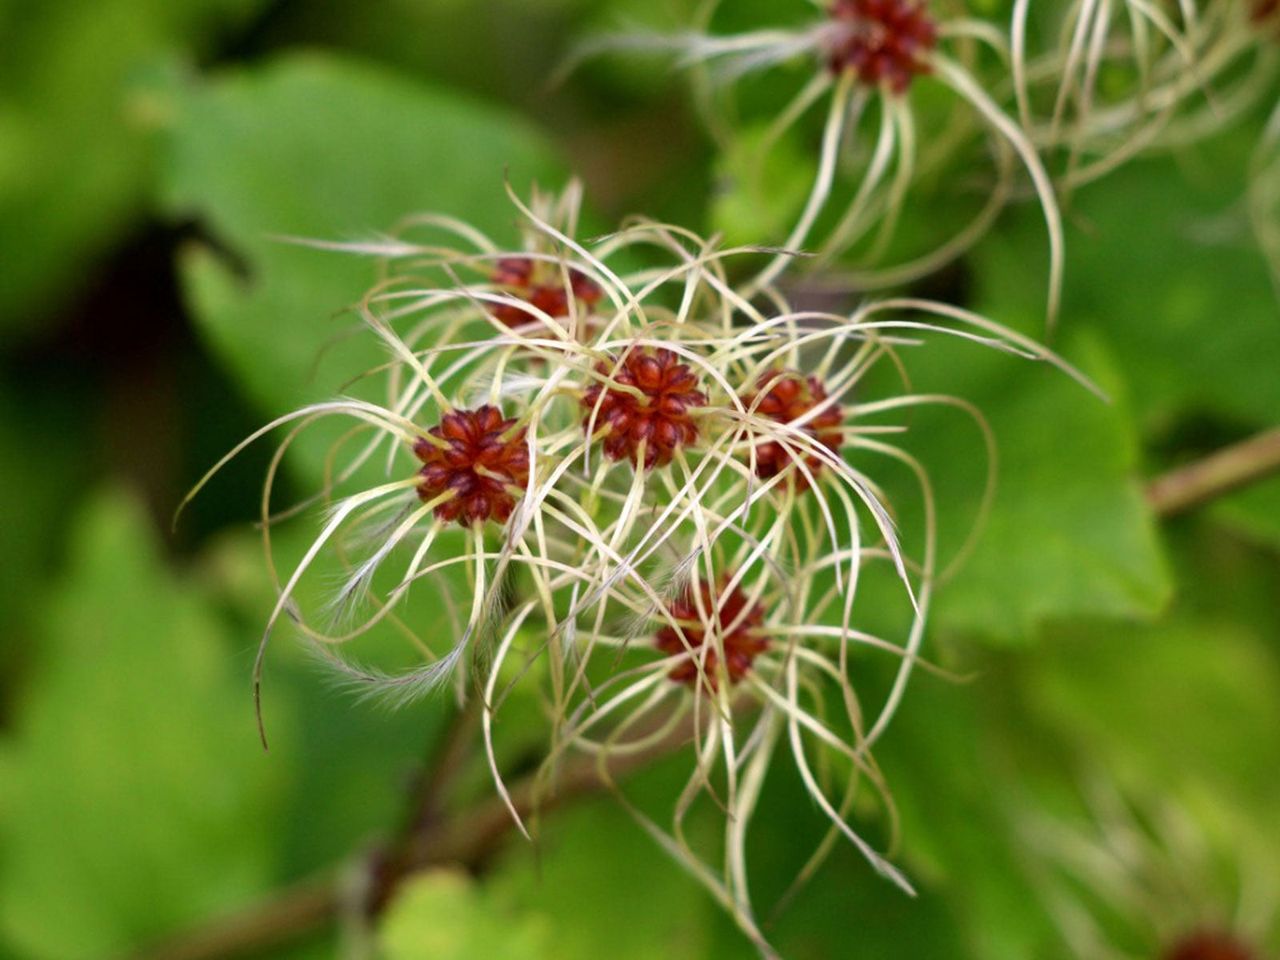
column 449, row 754
column 1216, row 475
column 283, row 917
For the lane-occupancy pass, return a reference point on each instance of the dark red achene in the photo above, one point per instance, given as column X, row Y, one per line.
column 482, row 457
column 660, row 420
column 1264, row 10
column 882, row 41
column 787, row 396
column 540, row 284
column 735, row 620
column 1210, row 946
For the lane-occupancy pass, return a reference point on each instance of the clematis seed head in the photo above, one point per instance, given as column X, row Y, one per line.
column 658, row 418
column 735, row 621
column 786, row 396
column 479, row 457
column 540, row 285
column 1210, row 946
column 882, row 41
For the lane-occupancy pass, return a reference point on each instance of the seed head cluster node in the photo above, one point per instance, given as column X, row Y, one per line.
column 736, row 624
column 786, row 396
column 482, row 457
column 540, row 285
column 1210, row 946
column 655, row 413
column 882, row 41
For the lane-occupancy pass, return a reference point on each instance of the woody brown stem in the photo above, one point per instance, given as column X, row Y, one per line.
column 1205, row 480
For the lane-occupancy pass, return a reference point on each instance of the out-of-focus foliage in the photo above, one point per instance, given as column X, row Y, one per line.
column 442, row 916
column 1194, row 327
column 130, row 804
column 1254, row 513
column 1070, row 533
column 255, row 158
column 74, row 160
column 29, row 536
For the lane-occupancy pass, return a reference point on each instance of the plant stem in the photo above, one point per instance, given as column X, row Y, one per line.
column 1216, row 475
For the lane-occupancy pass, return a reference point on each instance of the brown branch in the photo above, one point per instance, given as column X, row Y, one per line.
column 448, row 758
column 1216, row 475
column 281, row 918
column 468, row 839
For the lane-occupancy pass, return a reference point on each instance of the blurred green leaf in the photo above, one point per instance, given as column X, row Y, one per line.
column 317, row 147
column 954, row 802
column 348, row 766
column 1069, row 533
column 31, row 536
column 132, row 793
column 845, row 908
column 445, row 916
column 1190, row 700
column 605, row 888
column 1161, row 261
column 74, row 157
column 760, row 193
column 1254, row 512
column 608, row 889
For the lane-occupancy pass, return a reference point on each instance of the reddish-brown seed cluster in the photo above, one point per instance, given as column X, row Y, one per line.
column 1264, row 11
column 540, row 285
column 1210, row 946
column 735, row 621
column 882, row 41
column 786, row 396
column 659, row 419
column 482, row 457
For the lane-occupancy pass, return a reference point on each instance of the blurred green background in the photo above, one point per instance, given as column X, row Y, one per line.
column 149, row 152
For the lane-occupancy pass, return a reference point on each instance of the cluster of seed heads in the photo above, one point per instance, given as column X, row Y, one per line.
column 661, row 484
column 790, row 397
column 735, row 619
column 1175, row 889
column 661, row 492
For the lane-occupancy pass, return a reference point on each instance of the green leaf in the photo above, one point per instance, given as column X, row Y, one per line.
column 444, row 916
column 845, row 902
column 760, row 193
column 1254, row 512
column 133, row 797
column 954, row 802
column 1161, row 261
column 317, row 147
column 606, row 888
column 74, row 157
column 1190, row 701
column 348, row 766
column 1069, row 533
column 31, row 536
